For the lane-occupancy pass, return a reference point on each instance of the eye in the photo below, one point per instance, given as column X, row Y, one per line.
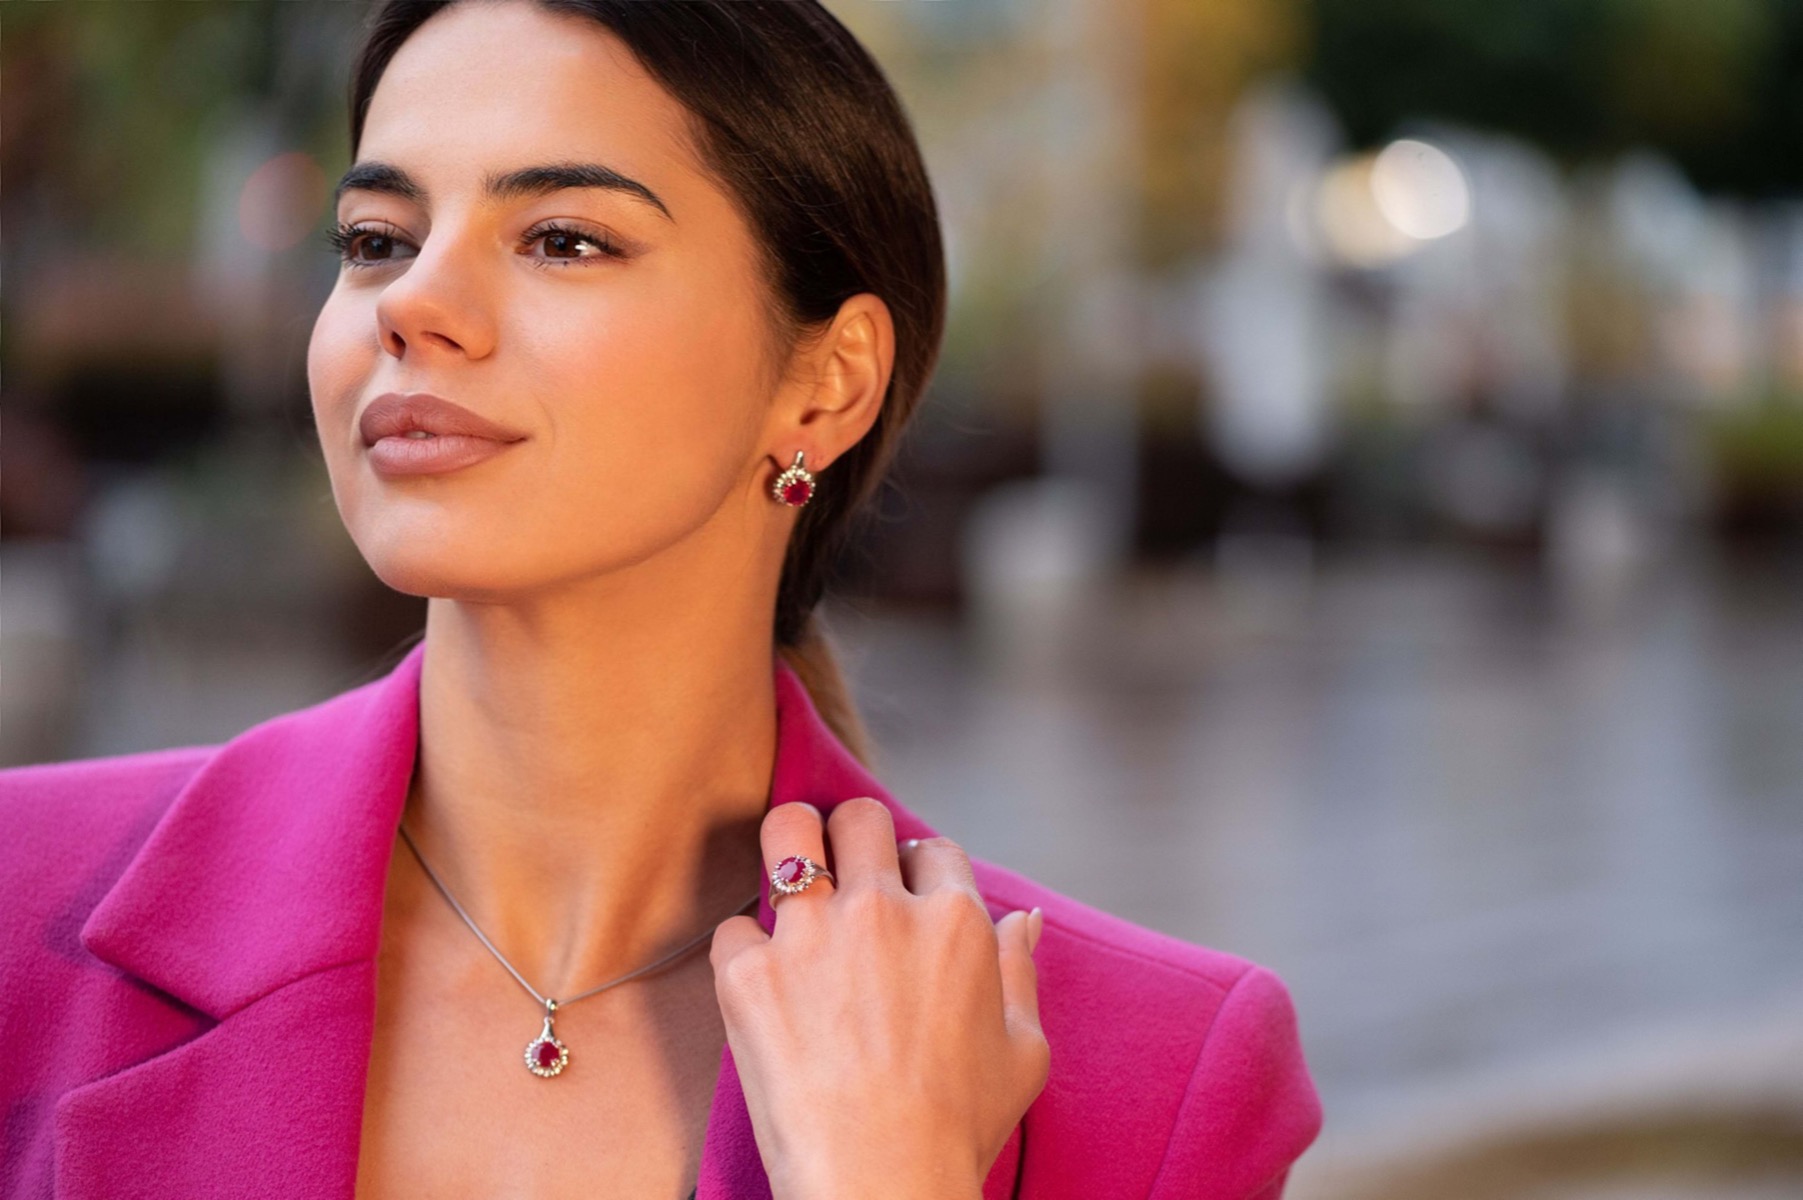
column 563, row 245
column 353, row 241
column 361, row 246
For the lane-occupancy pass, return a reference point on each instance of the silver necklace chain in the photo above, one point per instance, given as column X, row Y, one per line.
column 545, row 1001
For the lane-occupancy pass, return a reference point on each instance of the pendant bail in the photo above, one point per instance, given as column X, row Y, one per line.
column 545, row 1054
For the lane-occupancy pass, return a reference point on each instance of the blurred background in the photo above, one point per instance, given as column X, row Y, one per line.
column 1357, row 524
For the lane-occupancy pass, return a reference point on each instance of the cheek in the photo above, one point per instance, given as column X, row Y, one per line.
column 656, row 401
column 340, row 355
column 645, row 404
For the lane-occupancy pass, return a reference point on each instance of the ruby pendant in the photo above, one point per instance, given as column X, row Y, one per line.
column 545, row 1055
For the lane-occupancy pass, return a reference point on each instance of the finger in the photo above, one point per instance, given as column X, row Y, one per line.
column 936, row 862
column 1020, row 977
column 734, row 936
column 862, row 834
column 794, row 828
column 735, row 952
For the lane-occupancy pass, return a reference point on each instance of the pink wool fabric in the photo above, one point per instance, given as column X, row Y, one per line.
column 187, row 983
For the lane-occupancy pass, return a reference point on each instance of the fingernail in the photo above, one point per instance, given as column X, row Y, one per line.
column 910, row 843
column 1035, row 923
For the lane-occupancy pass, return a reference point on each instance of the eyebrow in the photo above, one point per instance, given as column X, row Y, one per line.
column 525, row 182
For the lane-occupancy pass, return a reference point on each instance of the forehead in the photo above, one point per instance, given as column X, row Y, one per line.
column 487, row 86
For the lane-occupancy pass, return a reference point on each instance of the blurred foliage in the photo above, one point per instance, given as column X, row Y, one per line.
column 1759, row 445
column 119, row 104
column 1199, row 56
column 96, row 64
column 1716, row 84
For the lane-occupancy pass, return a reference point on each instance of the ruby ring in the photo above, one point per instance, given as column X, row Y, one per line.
column 794, row 874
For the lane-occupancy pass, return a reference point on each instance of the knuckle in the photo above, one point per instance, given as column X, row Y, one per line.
column 791, row 818
column 867, row 906
column 862, row 811
column 1039, row 1062
column 946, row 846
column 739, row 976
column 958, row 907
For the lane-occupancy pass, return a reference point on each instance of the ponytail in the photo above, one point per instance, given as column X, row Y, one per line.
column 816, row 664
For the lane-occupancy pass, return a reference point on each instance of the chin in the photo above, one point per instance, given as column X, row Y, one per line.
column 422, row 575
column 434, row 559
column 440, row 562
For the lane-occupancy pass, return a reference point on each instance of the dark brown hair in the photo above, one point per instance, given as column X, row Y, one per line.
column 797, row 121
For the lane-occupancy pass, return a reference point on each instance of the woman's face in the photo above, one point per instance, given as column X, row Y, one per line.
column 638, row 376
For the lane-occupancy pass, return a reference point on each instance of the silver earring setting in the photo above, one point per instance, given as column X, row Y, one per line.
column 795, row 486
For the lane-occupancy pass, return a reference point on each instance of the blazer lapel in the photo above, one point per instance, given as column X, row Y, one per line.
column 267, row 1103
column 257, row 900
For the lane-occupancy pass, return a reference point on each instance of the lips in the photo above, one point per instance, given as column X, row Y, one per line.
column 417, row 433
column 398, row 414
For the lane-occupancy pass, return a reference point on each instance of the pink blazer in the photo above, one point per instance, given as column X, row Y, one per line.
column 187, row 983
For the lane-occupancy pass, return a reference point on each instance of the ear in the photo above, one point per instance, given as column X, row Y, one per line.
column 834, row 391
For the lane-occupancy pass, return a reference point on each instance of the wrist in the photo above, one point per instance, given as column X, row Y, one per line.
column 886, row 1187
column 919, row 1182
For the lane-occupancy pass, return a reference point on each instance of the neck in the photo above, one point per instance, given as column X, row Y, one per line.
column 591, row 782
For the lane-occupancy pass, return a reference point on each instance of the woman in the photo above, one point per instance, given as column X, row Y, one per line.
column 635, row 300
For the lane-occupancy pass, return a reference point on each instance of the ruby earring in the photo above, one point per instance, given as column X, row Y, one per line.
column 795, row 486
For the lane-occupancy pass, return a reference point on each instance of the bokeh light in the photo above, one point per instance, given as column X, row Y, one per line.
column 281, row 200
column 1420, row 190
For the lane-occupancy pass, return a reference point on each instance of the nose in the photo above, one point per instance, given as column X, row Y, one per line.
column 440, row 302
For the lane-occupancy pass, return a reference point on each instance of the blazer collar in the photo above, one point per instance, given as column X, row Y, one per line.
column 257, row 899
column 271, row 863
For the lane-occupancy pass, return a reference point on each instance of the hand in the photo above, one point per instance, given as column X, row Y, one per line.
column 887, row 1034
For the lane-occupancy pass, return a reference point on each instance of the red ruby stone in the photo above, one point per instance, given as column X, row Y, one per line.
column 547, row 1054
column 798, row 492
column 790, row 870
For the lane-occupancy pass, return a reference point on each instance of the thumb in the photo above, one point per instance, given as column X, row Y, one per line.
column 1020, row 977
column 732, row 937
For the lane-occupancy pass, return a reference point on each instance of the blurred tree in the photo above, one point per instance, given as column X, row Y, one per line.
column 124, row 170
column 1718, row 85
column 1199, row 56
column 113, row 108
